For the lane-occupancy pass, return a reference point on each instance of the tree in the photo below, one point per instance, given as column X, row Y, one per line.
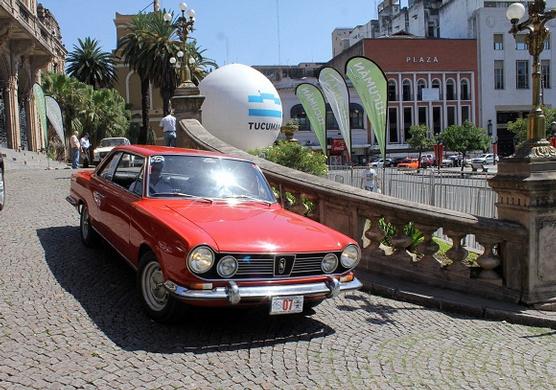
column 464, row 138
column 199, row 65
column 293, row 155
column 134, row 50
column 519, row 126
column 89, row 64
column 419, row 139
column 99, row 112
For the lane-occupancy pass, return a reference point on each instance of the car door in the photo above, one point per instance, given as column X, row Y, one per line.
column 99, row 184
column 124, row 189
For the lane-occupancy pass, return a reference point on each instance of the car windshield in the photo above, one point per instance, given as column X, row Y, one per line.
column 207, row 177
column 112, row 142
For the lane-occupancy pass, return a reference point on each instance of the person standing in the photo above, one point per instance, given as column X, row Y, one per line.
column 168, row 127
column 74, row 147
column 371, row 180
column 85, row 145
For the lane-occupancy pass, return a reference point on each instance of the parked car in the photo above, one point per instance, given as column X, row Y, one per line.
column 396, row 161
column 106, row 145
column 381, row 163
column 409, row 163
column 456, row 160
column 2, row 184
column 203, row 228
column 447, row 162
column 427, row 162
column 483, row 160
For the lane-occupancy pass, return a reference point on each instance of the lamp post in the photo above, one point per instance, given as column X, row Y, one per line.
column 536, row 145
column 184, row 25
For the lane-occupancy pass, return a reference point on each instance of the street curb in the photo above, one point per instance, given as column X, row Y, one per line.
column 456, row 303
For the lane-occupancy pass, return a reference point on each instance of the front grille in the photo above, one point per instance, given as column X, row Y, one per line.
column 262, row 266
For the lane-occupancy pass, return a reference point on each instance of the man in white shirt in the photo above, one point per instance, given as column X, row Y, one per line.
column 85, row 145
column 168, row 127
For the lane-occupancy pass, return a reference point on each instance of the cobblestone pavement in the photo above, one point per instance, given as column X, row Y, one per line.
column 70, row 318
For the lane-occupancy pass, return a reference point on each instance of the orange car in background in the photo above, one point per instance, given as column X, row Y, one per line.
column 409, row 163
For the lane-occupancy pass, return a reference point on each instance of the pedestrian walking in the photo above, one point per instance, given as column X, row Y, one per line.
column 74, row 148
column 168, row 127
column 85, row 145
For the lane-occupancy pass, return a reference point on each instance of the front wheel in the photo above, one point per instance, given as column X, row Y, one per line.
column 156, row 300
column 88, row 235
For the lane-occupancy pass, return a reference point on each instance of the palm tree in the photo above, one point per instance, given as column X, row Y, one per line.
column 199, row 65
column 89, row 64
column 134, row 50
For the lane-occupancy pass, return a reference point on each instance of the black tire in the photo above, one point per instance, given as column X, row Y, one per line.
column 157, row 302
column 88, row 235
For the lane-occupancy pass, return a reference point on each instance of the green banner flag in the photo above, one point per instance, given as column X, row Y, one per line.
column 371, row 83
column 40, row 104
column 313, row 103
column 335, row 89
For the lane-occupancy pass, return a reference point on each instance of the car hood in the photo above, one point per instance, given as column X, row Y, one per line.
column 248, row 227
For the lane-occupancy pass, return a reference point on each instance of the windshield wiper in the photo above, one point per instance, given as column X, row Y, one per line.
column 247, row 197
column 182, row 195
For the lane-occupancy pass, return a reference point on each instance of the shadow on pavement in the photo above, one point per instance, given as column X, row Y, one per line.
column 104, row 286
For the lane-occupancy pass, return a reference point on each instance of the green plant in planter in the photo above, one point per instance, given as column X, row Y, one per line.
column 290, row 128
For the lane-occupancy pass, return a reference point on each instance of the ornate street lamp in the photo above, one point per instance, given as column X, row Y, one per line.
column 536, row 145
column 184, row 25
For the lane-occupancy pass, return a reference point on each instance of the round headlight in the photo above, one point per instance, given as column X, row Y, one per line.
column 329, row 263
column 201, row 259
column 227, row 267
column 350, row 256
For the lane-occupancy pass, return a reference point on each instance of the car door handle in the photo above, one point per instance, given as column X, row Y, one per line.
column 98, row 197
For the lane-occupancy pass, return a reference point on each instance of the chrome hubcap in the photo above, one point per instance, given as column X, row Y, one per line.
column 152, row 286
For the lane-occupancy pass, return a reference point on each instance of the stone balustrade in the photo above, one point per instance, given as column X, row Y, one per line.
column 495, row 273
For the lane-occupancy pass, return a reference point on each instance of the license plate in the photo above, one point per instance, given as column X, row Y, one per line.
column 286, row 305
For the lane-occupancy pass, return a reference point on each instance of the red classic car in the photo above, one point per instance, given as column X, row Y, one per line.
column 205, row 229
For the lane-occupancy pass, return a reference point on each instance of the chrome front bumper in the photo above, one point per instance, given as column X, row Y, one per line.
column 234, row 293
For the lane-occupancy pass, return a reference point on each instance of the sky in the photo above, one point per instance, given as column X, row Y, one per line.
column 231, row 31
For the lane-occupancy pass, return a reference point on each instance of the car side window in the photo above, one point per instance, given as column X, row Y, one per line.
column 107, row 171
column 128, row 173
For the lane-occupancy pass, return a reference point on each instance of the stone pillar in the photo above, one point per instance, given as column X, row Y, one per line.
column 187, row 104
column 526, row 191
column 33, row 130
column 11, row 106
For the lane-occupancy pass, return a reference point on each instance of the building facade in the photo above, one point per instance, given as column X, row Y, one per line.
column 430, row 81
column 30, row 42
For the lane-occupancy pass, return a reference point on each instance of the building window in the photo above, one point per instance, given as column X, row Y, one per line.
column 545, row 66
column 498, row 41
column 393, row 125
column 298, row 113
column 436, row 85
column 420, row 85
column 407, row 122
column 450, row 90
column 498, row 74
column 392, row 90
column 436, row 119
column 522, row 74
column 451, row 115
column 407, row 90
column 423, row 116
column 356, row 116
column 464, row 113
column 547, row 42
column 464, row 89
column 521, row 42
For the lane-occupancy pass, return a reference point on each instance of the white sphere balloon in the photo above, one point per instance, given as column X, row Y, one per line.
column 241, row 107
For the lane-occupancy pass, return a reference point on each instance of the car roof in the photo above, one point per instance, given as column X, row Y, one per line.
column 151, row 150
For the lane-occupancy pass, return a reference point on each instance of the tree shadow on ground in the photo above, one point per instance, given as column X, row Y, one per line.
column 104, row 285
column 378, row 314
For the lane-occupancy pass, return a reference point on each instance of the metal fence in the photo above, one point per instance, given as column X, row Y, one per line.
column 449, row 189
